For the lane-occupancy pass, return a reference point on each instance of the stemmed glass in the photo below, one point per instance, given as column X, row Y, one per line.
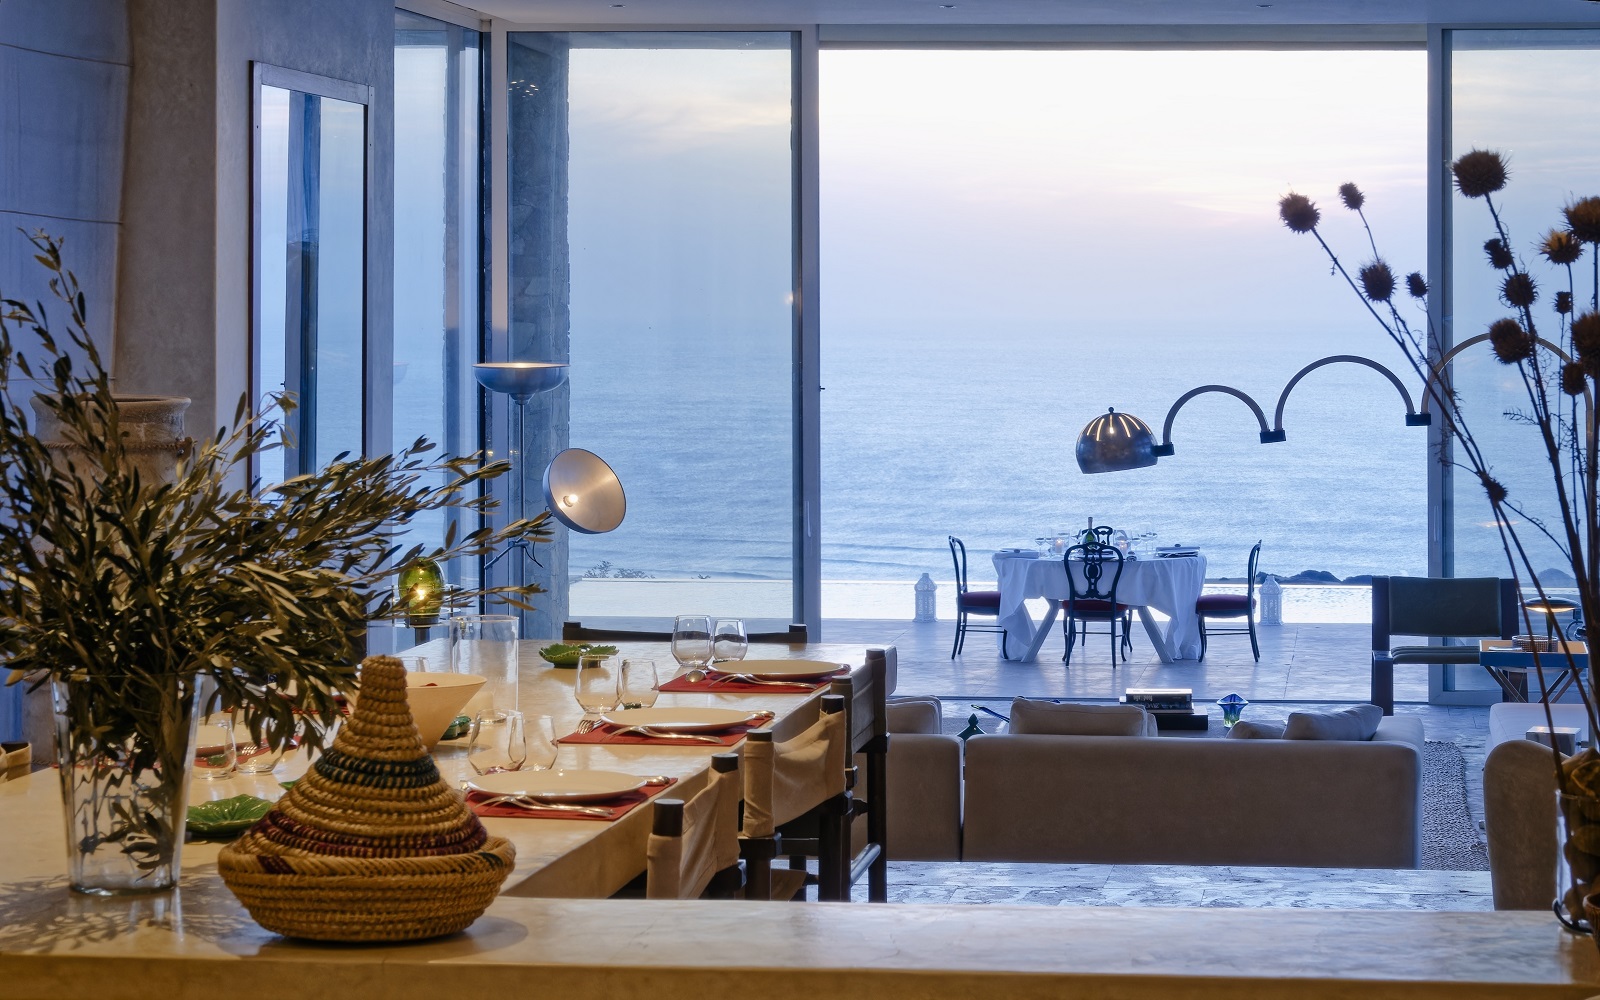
column 728, row 640
column 639, row 685
column 487, row 752
column 691, row 645
column 596, row 688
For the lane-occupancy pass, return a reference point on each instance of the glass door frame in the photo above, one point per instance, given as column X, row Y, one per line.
column 376, row 351
column 806, row 388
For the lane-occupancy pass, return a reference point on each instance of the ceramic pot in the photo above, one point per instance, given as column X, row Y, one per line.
column 152, row 429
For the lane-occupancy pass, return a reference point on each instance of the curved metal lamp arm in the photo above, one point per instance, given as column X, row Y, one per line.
column 1437, row 371
column 1165, row 447
column 1413, row 418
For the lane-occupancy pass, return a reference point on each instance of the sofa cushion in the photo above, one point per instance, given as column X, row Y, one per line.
column 914, row 714
column 1043, row 718
column 1358, row 722
column 1244, row 730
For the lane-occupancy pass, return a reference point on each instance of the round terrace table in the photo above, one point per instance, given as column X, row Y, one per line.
column 1170, row 586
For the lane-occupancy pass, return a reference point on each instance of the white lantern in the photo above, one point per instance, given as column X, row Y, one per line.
column 927, row 609
column 1271, row 602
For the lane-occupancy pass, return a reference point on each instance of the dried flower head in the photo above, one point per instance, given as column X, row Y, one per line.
column 1586, row 335
column 1498, row 253
column 1560, row 247
column 1583, row 218
column 1572, row 378
column 1510, row 341
column 1518, row 290
column 1417, row 285
column 1491, row 486
column 1479, row 173
column 1298, row 213
column 1563, row 302
column 1351, row 196
column 1377, row 281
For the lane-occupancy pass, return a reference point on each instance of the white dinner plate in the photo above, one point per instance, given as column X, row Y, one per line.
column 559, row 786
column 780, row 670
column 680, row 720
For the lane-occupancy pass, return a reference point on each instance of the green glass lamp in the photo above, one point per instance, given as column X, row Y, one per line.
column 422, row 592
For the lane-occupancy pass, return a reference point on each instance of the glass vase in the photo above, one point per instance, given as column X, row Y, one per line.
column 125, row 754
column 1577, row 857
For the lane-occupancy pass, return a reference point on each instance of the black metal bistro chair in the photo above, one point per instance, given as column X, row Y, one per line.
column 972, row 602
column 1096, row 599
column 1232, row 606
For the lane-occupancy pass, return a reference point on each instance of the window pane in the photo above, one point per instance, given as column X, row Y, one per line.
column 679, row 201
column 436, row 248
column 1013, row 241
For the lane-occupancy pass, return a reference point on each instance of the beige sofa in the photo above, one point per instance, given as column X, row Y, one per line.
column 1147, row 800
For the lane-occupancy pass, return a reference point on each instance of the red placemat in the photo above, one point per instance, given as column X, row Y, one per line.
column 617, row 807
column 725, row 684
column 605, row 733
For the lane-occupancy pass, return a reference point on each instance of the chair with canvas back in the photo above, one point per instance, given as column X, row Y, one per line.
column 972, row 602
column 1467, row 608
column 793, row 770
column 693, row 850
column 1232, row 606
column 1093, row 571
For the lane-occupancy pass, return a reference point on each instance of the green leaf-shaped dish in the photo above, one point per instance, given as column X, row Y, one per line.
column 226, row 817
column 562, row 654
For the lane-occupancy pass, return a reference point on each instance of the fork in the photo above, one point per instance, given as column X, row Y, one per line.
column 657, row 734
column 523, row 802
column 752, row 679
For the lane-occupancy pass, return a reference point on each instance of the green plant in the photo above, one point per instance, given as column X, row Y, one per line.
column 133, row 592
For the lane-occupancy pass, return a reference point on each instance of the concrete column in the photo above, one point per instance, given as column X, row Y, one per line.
column 540, row 283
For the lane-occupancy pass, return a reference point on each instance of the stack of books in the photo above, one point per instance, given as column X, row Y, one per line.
column 1172, row 707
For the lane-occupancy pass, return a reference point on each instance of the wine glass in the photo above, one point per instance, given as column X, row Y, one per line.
column 691, row 644
column 596, row 687
column 640, row 685
column 541, row 745
column 494, row 748
column 728, row 640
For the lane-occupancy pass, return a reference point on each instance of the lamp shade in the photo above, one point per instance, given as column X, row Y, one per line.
column 583, row 493
column 520, row 379
column 1116, row 442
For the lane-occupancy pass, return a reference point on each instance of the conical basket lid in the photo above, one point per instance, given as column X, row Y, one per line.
column 375, row 793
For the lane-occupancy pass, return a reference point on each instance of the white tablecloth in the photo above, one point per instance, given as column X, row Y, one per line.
column 1170, row 586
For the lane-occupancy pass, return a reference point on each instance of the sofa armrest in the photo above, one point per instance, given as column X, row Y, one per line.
column 1519, row 816
column 924, row 773
column 1405, row 729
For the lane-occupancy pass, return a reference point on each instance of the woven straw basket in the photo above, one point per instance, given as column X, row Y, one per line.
column 371, row 845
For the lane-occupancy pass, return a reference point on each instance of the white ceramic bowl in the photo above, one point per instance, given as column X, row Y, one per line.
column 436, row 700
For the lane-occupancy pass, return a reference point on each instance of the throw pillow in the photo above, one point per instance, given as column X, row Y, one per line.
column 1042, row 718
column 1358, row 722
column 1243, row 730
column 913, row 715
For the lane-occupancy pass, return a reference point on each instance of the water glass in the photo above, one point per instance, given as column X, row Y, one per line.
column 691, row 641
column 254, row 757
column 729, row 640
column 486, row 645
column 596, row 686
column 215, row 751
column 640, row 685
column 542, row 746
column 498, row 742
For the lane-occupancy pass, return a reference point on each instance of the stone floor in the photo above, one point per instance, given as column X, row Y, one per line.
column 1301, row 666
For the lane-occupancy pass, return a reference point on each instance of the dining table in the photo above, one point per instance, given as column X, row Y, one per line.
column 1169, row 584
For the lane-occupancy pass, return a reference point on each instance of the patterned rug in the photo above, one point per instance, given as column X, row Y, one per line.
column 1450, row 840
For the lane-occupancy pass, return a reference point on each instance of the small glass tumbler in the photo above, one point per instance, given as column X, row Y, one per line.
column 542, row 746
column 486, row 645
column 640, row 685
column 597, row 685
column 259, row 757
column 497, row 744
column 215, row 752
column 729, row 641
